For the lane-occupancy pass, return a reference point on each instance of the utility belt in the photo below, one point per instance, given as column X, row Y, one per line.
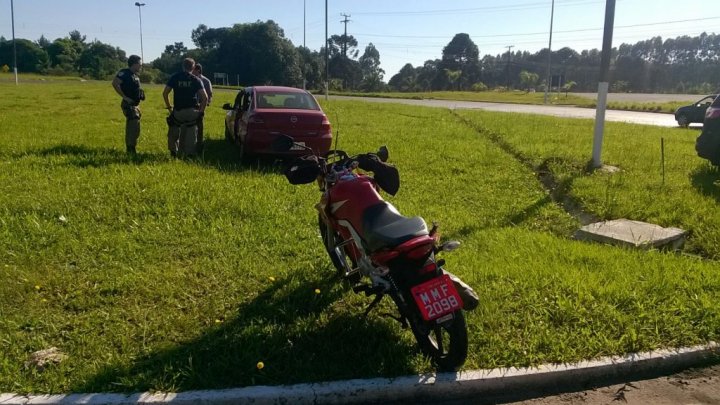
column 173, row 121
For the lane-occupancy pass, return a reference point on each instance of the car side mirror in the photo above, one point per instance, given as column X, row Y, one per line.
column 383, row 153
column 227, row 106
column 283, row 143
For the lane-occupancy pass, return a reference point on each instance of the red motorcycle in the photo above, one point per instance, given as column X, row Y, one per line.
column 368, row 239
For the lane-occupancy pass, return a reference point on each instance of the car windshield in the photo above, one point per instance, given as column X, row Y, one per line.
column 293, row 100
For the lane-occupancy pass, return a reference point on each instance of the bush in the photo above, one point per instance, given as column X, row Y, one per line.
column 5, row 68
column 479, row 86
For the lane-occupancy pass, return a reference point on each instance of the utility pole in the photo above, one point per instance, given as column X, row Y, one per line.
column 304, row 80
column 345, row 37
column 547, row 85
column 604, row 82
column 12, row 14
column 507, row 66
column 327, row 52
column 304, row 23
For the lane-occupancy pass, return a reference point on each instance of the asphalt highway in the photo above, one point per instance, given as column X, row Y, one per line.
column 635, row 117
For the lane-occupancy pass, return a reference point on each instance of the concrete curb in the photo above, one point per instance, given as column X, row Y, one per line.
column 477, row 384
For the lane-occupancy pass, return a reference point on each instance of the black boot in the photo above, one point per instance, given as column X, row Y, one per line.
column 131, row 150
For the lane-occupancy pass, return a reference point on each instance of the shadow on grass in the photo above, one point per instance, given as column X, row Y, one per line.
column 83, row 156
column 225, row 157
column 706, row 180
column 218, row 154
column 285, row 327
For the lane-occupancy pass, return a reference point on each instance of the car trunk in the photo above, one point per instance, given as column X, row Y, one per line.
column 296, row 123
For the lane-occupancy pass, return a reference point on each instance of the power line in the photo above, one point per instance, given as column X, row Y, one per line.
column 542, row 32
column 510, row 7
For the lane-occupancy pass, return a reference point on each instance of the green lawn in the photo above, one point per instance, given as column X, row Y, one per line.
column 153, row 273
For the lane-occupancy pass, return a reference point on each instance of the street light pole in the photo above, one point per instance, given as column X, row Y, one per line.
column 547, row 85
column 142, row 54
column 12, row 14
column 327, row 52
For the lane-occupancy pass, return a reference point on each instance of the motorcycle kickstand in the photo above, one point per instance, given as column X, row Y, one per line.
column 401, row 319
column 373, row 304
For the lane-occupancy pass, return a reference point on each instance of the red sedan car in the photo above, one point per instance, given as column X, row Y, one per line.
column 261, row 113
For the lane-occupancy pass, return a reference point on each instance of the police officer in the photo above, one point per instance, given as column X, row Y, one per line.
column 127, row 84
column 189, row 101
column 197, row 71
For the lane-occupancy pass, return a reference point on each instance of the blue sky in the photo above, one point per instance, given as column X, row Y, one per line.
column 402, row 31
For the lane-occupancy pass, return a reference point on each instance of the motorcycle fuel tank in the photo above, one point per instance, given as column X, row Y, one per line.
column 350, row 196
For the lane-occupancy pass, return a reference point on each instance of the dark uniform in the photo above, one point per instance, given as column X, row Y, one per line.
column 182, row 125
column 130, row 87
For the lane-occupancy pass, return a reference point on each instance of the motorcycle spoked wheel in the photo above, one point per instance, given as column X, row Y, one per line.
column 446, row 344
column 331, row 239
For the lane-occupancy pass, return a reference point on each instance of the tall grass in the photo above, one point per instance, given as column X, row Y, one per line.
column 154, row 273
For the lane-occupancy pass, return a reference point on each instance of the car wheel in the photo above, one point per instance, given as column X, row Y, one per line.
column 683, row 121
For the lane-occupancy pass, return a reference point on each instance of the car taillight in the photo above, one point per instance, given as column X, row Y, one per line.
column 712, row 113
column 325, row 125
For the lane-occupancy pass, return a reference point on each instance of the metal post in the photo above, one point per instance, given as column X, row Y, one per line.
column 304, row 15
column 603, row 85
column 327, row 53
column 662, row 157
column 304, row 24
column 547, row 85
column 142, row 54
column 12, row 15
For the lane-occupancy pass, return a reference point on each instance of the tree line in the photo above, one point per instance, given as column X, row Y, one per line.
column 681, row 65
column 259, row 53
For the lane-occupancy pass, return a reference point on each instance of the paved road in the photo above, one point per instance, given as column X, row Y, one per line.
column 645, row 98
column 664, row 120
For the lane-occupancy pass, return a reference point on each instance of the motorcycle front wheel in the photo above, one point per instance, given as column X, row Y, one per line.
column 446, row 343
column 331, row 239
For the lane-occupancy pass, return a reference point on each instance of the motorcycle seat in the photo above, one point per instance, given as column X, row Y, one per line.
column 384, row 226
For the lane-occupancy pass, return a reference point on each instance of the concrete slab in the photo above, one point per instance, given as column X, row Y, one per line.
column 625, row 232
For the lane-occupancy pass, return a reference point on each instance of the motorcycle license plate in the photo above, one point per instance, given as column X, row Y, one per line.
column 298, row 146
column 436, row 297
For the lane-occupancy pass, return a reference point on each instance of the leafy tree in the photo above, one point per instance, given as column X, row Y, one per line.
column 30, row 57
column 453, row 76
column 43, row 42
column 568, row 86
column 170, row 61
column 63, row 54
column 343, row 45
column 260, row 54
column 100, row 60
column 372, row 74
column 528, row 79
column 311, row 66
column 460, row 54
column 347, row 70
column 404, row 80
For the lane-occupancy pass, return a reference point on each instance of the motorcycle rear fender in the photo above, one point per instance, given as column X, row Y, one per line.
column 423, row 245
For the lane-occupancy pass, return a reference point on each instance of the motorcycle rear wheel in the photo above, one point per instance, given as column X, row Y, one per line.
column 446, row 344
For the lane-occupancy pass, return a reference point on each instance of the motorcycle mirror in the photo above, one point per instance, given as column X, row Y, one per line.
column 450, row 245
column 383, row 153
column 283, row 143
